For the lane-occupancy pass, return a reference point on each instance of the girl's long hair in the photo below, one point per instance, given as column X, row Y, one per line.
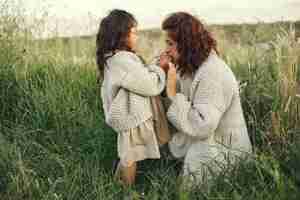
column 112, row 35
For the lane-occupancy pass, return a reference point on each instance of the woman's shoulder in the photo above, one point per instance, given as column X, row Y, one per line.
column 214, row 69
column 213, row 60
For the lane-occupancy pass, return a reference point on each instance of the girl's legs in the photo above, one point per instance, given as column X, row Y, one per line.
column 127, row 174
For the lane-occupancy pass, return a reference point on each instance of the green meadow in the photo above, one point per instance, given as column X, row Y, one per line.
column 55, row 145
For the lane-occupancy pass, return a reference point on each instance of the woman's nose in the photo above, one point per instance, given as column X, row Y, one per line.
column 168, row 50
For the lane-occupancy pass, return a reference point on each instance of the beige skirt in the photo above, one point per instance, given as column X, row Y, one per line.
column 137, row 144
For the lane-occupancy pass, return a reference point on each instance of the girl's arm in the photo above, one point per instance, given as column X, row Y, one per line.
column 146, row 81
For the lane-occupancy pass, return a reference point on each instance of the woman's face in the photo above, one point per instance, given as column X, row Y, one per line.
column 132, row 38
column 171, row 48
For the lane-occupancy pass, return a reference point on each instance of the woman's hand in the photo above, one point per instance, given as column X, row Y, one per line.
column 171, row 81
column 164, row 61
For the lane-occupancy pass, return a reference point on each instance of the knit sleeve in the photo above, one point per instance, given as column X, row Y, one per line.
column 199, row 117
column 146, row 81
column 167, row 101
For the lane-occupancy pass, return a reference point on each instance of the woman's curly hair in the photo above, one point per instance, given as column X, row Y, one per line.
column 113, row 32
column 194, row 41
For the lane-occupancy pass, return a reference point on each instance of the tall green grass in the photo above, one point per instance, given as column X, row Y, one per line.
column 54, row 143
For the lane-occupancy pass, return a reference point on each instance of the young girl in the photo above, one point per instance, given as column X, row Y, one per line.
column 126, row 90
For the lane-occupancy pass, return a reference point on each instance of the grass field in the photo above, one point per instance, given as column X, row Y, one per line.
column 54, row 143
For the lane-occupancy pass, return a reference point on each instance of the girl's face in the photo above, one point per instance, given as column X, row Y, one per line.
column 132, row 38
column 171, row 48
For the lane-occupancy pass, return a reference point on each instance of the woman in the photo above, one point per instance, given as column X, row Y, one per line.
column 205, row 102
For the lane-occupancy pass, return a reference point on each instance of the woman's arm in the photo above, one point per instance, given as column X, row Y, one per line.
column 199, row 117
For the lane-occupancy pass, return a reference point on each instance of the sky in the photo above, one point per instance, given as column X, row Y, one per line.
column 80, row 17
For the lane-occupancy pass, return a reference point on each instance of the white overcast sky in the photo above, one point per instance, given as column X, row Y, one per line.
column 74, row 17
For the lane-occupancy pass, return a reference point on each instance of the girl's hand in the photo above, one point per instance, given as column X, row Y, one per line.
column 164, row 61
column 171, row 81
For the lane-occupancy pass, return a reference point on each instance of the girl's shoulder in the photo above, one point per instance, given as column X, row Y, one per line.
column 124, row 61
column 122, row 54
